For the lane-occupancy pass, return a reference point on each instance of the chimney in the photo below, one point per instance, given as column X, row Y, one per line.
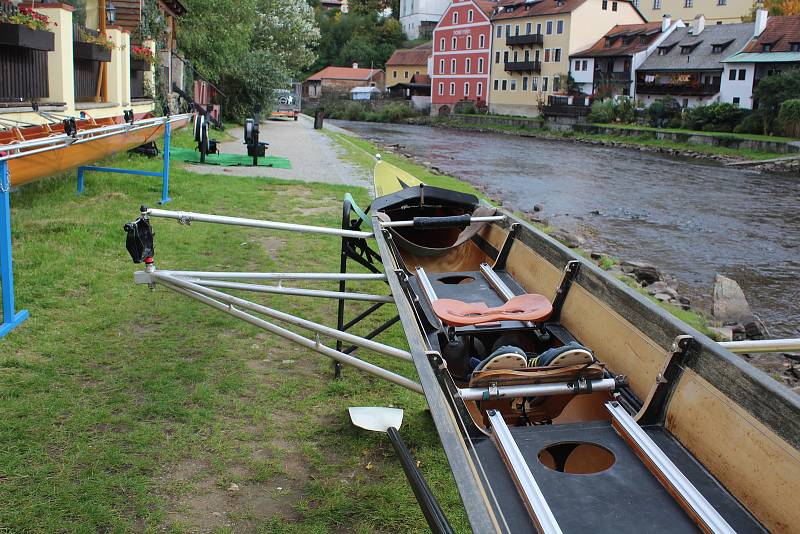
column 761, row 22
column 699, row 25
column 666, row 22
column 355, row 65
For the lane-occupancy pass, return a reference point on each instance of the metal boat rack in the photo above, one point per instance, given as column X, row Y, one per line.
column 11, row 317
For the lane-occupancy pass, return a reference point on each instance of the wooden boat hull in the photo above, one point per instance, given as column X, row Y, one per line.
column 27, row 169
column 733, row 430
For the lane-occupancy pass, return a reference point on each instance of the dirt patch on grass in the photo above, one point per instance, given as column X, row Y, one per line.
column 321, row 210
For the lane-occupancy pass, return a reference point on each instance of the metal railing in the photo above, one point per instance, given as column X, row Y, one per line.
column 527, row 39
column 673, row 89
column 523, row 66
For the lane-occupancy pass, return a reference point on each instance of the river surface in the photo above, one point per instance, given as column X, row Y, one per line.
column 690, row 219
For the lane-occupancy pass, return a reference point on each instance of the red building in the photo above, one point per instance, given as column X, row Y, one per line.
column 462, row 42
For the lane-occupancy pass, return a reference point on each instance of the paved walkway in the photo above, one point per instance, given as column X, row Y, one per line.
column 313, row 155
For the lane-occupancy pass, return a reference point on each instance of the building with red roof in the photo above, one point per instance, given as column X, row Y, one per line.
column 405, row 63
column 341, row 80
column 460, row 60
column 774, row 47
column 608, row 67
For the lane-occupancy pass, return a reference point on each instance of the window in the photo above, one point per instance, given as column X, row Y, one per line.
column 732, row 74
column 685, row 103
column 416, row 72
column 527, row 55
column 454, row 43
column 469, row 42
column 452, row 66
column 560, row 27
column 577, row 66
column 496, row 83
column 539, row 28
column 556, row 55
column 452, row 88
column 513, row 84
column 766, row 47
column 482, row 41
column 794, row 47
column 497, row 57
column 394, row 74
column 534, row 83
column 537, row 54
column 505, row 56
column 549, row 27
column 547, row 55
column 656, row 4
column 480, row 65
column 662, row 50
column 688, row 3
column 613, row 6
column 479, row 89
column 515, row 56
column 405, row 74
column 742, row 74
column 516, row 29
column 636, row 3
column 736, row 101
column 455, row 17
column 686, row 50
column 556, row 83
column 722, row 2
column 585, row 64
column 499, row 31
column 524, row 83
column 441, row 88
column 470, row 15
column 503, row 85
column 468, row 65
column 441, row 66
column 605, row 5
column 466, row 88
column 544, row 84
column 528, row 29
column 441, row 44
column 508, row 30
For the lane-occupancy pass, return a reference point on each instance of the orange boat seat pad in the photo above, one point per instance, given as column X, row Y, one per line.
column 529, row 307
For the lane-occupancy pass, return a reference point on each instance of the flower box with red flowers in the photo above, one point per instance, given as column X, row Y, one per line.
column 142, row 58
column 26, row 28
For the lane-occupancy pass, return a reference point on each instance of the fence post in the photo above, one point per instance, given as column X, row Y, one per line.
column 10, row 319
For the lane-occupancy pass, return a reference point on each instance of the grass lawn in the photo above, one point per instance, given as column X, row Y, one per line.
column 125, row 409
column 733, row 135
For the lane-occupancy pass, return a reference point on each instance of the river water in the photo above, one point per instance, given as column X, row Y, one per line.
column 690, row 219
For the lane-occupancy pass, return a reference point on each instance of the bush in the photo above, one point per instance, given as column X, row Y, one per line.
column 771, row 92
column 719, row 117
column 602, row 111
column 625, row 110
column 353, row 111
column 752, row 123
column 789, row 117
column 664, row 111
column 394, row 112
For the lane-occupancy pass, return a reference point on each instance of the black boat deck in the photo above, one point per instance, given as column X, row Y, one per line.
column 625, row 498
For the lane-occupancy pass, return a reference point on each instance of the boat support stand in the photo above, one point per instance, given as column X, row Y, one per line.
column 164, row 174
column 11, row 318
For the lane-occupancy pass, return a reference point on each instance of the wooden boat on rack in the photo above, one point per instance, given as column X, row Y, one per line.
column 564, row 400
column 89, row 140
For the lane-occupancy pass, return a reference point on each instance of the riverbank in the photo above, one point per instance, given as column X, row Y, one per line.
column 650, row 280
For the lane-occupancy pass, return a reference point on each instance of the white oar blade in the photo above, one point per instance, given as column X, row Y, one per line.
column 376, row 419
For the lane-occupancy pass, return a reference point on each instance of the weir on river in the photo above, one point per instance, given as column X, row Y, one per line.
column 691, row 219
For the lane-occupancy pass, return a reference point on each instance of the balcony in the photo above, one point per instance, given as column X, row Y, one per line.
column 522, row 40
column 613, row 77
column 566, row 106
column 691, row 89
column 523, row 66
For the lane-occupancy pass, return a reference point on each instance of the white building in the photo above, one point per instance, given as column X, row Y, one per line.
column 419, row 17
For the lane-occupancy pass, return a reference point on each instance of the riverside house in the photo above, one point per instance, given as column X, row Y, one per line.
column 460, row 60
column 533, row 41
column 775, row 47
column 687, row 65
column 340, row 80
column 405, row 63
column 715, row 11
column 608, row 68
column 69, row 65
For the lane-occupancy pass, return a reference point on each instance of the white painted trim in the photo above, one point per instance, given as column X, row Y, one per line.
column 470, row 51
column 458, row 26
column 444, row 76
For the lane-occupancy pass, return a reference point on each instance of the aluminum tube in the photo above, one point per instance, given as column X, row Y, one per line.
column 763, row 345
column 532, row 390
column 291, row 319
column 495, row 281
column 534, row 498
column 402, row 224
column 301, row 340
column 188, row 216
column 276, row 276
column 299, row 292
column 702, row 510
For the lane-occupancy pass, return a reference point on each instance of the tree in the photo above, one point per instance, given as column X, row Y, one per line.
column 248, row 48
column 771, row 92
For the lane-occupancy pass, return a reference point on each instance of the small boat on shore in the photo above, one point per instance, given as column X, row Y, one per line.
column 87, row 140
column 564, row 400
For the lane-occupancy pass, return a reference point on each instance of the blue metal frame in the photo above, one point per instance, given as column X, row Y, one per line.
column 164, row 174
column 11, row 319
